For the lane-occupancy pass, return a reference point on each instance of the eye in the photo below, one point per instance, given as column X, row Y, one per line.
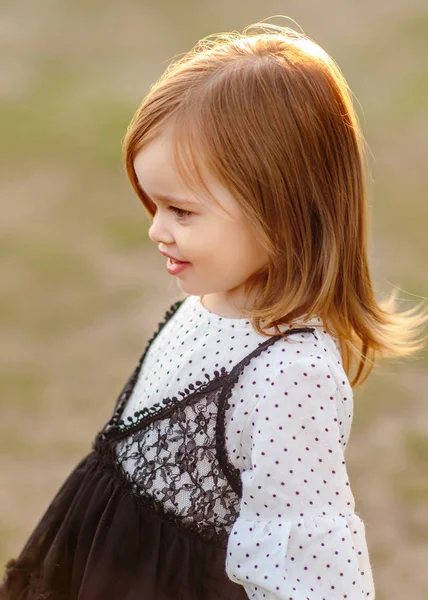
column 180, row 212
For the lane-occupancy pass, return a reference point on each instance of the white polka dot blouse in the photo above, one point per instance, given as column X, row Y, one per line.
column 295, row 534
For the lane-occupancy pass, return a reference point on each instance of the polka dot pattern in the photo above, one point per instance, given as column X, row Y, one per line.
column 319, row 557
column 290, row 413
column 297, row 535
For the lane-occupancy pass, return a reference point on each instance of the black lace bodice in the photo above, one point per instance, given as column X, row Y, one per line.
column 148, row 512
column 173, row 453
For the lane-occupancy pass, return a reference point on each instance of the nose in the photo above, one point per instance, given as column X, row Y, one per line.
column 158, row 233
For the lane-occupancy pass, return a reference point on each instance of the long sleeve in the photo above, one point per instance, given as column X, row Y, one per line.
column 297, row 536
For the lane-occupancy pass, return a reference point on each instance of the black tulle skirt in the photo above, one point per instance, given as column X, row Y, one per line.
column 97, row 541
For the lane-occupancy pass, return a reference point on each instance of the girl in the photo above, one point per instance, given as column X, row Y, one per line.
column 221, row 473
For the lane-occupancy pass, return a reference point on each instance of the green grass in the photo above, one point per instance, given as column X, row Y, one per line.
column 57, row 119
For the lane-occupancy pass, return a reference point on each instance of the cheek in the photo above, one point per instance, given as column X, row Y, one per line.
column 207, row 242
column 220, row 242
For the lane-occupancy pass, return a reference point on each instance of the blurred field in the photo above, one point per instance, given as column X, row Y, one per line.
column 83, row 287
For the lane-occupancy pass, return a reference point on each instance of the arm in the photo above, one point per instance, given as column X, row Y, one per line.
column 297, row 536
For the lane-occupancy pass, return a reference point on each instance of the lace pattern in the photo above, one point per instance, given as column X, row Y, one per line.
column 172, row 454
column 126, row 392
column 173, row 461
column 170, row 457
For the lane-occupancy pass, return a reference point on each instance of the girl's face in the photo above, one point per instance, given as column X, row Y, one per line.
column 216, row 241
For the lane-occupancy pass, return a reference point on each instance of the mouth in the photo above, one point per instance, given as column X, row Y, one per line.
column 178, row 262
column 175, row 267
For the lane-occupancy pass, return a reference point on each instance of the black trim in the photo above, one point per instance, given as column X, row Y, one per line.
column 232, row 473
column 116, row 428
column 129, row 386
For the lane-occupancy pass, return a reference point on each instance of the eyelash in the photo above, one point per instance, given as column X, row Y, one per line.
column 181, row 214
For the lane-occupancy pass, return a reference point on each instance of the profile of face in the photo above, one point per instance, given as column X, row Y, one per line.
column 216, row 240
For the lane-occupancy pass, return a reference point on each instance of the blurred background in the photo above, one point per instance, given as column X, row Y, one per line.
column 83, row 287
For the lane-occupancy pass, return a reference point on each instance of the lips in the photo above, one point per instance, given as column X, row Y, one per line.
column 172, row 257
column 175, row 268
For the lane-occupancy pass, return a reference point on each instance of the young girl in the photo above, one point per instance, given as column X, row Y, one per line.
column 221, row 473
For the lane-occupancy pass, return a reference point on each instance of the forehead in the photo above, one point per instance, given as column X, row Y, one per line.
column 159, row 177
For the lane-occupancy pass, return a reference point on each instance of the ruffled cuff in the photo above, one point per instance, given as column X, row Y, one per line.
column 315, row 557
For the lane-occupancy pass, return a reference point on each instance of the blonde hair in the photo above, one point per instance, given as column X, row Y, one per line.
column 271, row 116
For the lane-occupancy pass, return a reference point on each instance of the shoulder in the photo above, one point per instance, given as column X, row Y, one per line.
column 300, row 346
column 305, row 364
column 314, row 347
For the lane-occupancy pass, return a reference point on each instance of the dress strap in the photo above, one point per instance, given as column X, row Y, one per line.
column 232, row 473
column 127, row 389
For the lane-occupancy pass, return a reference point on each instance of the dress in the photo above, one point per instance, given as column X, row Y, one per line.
column 170, row 503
